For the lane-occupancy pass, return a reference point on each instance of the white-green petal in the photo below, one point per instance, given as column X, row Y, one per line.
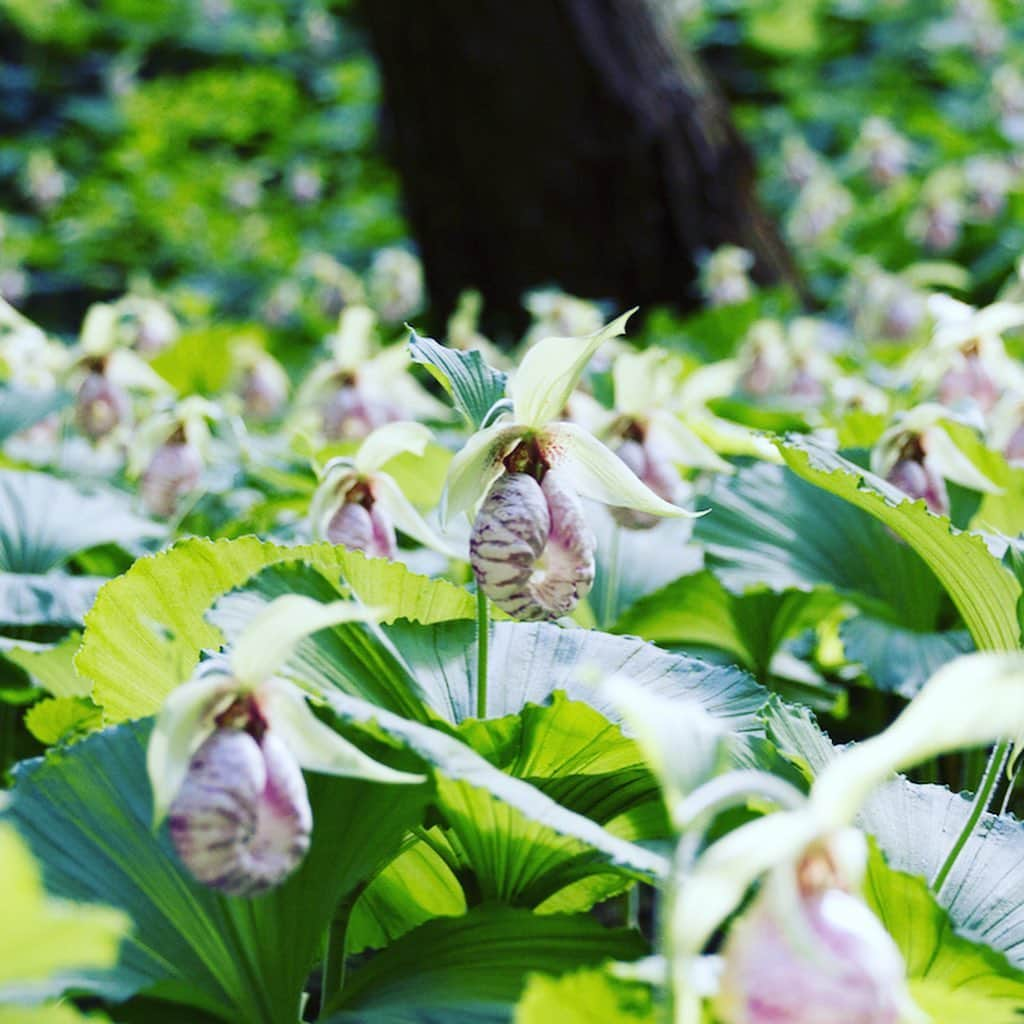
column 727, row 869
column 598, row 473
column 389, row 441
column 683, row 445
column 99, row 329
column 950, row 462
column 550, row 371
column 971, row 701
column 128, row 370
column 642, row 381
column 187, row 718
column 269, row 639
column 330, row 493
column 316, row 747
column 352, row 343
column 476, row 466
column 405, row 517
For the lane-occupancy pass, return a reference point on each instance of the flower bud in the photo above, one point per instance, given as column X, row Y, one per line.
column 100, row 406
column 833, row 964
column 363, row 526
column 241, row 822
column 175, row 469
column 531, row 549
column 656, row 472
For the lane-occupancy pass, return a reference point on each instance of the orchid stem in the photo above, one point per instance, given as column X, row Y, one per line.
column 332, row 973
column 982, row 799
column 611, row 584
column 482, row 632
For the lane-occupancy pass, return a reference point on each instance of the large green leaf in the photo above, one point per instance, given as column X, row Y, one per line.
column 482, row 959
column 771, row 530
column 982, row 589
column 584, row 997
column 20, row 408
column 917, row 825
column 44, row 521
column 897, row 659
column 528, row 662
column 474, row 386
column 524, row 845
column 86, row 811
column 951, row 978
column 46, row 599
column 145, row 632
column 43, row 937
column 50, row 666
column 752, row 627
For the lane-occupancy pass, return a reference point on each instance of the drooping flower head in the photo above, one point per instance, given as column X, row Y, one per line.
column 169, row 452
column 808, row 950
column 649, row 435
column 360, row 506
column 918, row 455
column 105, row 371
column 226, row 756
column 521, row 477
column 361, row 387
column 261, row 381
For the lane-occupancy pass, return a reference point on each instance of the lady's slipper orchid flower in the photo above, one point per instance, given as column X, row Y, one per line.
column 724, row 276
column 360, row 389
column 110, row 371
column 808, row 950
column 918, row 455
column 525, row 517
column 395, row 284
column 650, row 438
column 360, row 506
column 169, row 452
column 261, row 383
column 226, row 755
column 558, row 314
column 966, row 359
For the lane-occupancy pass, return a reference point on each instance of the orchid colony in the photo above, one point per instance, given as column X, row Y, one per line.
column 584, row 435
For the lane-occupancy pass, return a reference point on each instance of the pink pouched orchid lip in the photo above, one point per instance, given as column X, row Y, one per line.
column 241, row 822
column 520, row 524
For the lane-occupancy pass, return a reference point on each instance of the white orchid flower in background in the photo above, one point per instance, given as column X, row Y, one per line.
column 261, row 381
column 170, row 451
column 29, row 358
column 724, row 275
column 918, row 455
column 648, row 435
column 808, row 949
column 360, row 506
column 104, row 373
column 362, row 387
column 225, row 758
column 557, row 314
column 531, row 549
column 966, row 361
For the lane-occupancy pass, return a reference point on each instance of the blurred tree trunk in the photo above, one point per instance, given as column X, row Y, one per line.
column 563, row 142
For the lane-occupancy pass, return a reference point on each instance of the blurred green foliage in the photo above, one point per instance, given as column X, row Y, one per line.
column 207, row 147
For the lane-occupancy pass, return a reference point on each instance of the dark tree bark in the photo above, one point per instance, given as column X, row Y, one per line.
column 561, row 142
